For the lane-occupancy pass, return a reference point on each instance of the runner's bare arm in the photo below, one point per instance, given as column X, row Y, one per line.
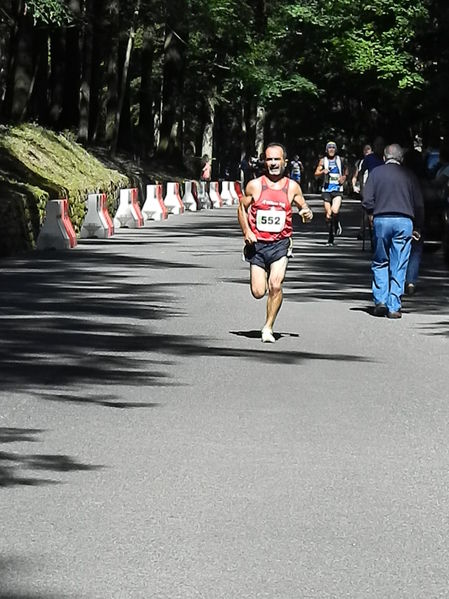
column 344, row 174
column 300, row 202
column 242, row 213
column 320, row 170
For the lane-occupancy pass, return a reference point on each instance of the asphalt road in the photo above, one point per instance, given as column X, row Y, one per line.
column 153, row 448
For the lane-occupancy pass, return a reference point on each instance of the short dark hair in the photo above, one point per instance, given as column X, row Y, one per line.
column 274, row 144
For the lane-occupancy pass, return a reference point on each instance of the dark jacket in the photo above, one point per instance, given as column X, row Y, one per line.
column 370, row 162
column 393, row 190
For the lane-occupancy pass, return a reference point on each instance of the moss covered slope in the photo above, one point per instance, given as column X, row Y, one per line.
column 37, row 165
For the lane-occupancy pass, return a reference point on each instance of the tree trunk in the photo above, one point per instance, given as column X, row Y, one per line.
column 170, row 142
column 207, row 144
column 70, row 116
column 260, row 128
column 244, row 142
column 24, row 69
column 86, row 49
column 112, row 76
column 146, row 97
column 6, row 33
column 97, row 102
column 57, row 79
column 124, row 82
column 39, row 100
column 252, row 123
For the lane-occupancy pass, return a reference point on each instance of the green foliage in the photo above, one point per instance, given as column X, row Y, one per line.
column 374, row 37
column 50, row 12
column 381, row 40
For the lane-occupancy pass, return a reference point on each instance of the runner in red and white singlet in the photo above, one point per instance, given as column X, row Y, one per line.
column 270, row 215
column 265, row 217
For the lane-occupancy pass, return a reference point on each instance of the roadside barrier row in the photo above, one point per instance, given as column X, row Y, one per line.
column 57, row 231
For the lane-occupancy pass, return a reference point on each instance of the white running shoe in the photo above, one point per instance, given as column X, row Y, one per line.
column 267, row 336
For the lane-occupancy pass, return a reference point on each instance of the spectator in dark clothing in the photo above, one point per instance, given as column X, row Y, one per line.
column 393, row 197
column 247, row 170
column 260, row 165
column 414, row 161
column 364, row 166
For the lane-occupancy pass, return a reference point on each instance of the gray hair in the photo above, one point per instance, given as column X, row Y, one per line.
column 394, row 152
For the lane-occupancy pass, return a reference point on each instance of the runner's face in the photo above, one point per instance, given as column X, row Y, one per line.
column 275, row 162
column 331, row 150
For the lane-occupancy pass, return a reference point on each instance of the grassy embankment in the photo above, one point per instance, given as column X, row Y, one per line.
column 37, row 165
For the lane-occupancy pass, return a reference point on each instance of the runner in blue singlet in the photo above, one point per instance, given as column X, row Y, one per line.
column 333, row 173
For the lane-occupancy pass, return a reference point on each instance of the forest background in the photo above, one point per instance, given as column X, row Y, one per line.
column 172, row 80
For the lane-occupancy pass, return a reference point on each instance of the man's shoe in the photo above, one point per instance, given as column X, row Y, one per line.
column 395, row 314
column 410, row 289
column 267, row 336
column 380, row 310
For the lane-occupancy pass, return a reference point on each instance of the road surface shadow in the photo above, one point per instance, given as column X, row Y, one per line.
column 256, row 334
column 15, row 468
column 74, row 318
column 20, row 568
column 106, row 401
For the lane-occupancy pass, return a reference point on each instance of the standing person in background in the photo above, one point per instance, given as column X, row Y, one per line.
column 379, row 146
column 247, row 169
column 296, row 169
column 206, row 170
column 393, row 197
column 415, row 163
column 333, row 173
column 364, row 167
column 259, row 168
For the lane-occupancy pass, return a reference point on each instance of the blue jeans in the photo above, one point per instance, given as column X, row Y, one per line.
column 414, row 261
column 392, row 242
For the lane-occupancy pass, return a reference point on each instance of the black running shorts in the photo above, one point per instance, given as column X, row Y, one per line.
column 328, row 196
column 264, row 253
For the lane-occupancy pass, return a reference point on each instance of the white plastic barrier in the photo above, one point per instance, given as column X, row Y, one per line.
column 233, row 192
column 128, row 213
column 214, row 194
column 97, row 222
column 154, row 207
column 172, row 199
column 190, row 197
column 203, row 196
column 57, row 231
column 226, row 194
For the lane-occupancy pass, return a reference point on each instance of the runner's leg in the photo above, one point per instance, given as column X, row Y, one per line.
column 336, row 205
column 275, row 280
column 258, row 281
column 328, row 217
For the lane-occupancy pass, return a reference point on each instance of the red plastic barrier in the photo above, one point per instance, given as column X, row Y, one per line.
column 160, row 199
column 105, row 213
column 68, row 223
column 136, row 205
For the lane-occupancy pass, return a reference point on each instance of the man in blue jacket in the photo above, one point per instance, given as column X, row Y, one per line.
column 392, row 196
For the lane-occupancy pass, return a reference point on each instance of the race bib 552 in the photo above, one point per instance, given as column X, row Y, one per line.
column 272, row 221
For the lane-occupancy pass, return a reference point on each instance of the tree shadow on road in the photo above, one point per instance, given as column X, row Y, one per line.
column 18, row 568
column 81, row 318
column 20, row 468
column 73, row 318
